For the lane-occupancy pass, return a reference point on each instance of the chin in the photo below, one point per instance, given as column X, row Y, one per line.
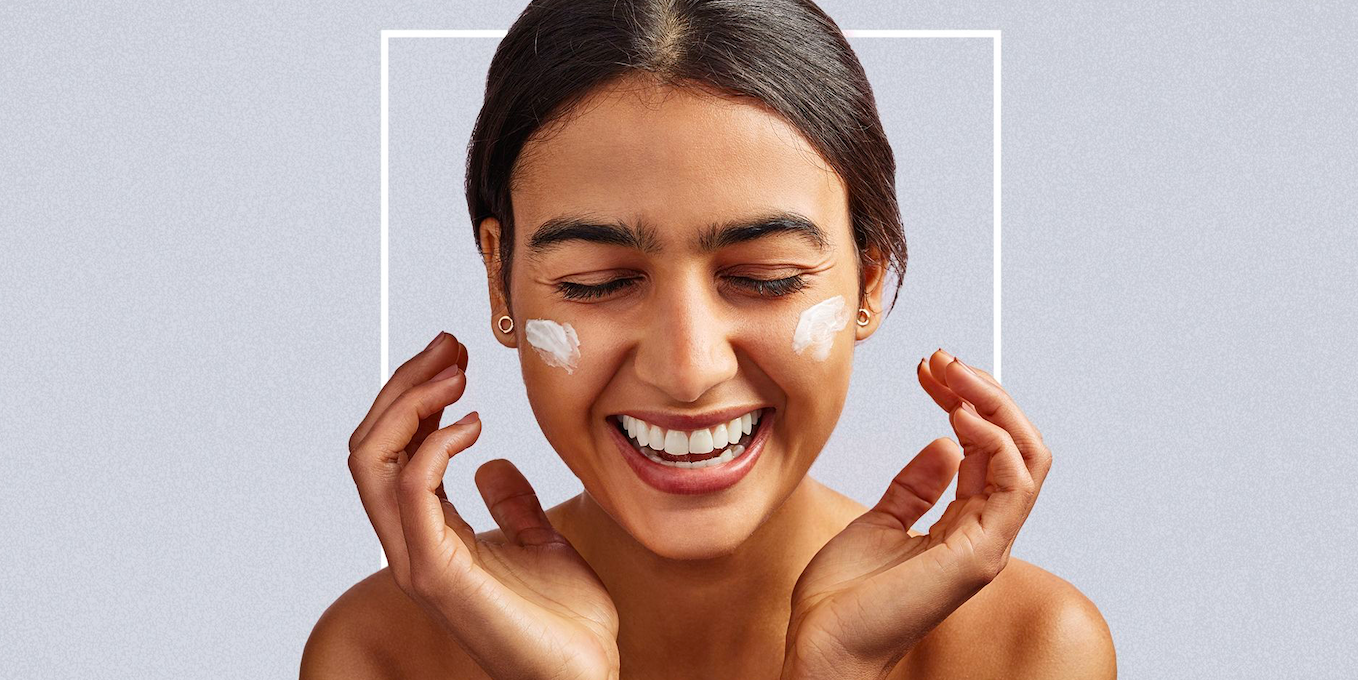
column 693, row 534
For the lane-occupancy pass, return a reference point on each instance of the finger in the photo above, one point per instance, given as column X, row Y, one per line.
column 396, row 427
column 514, row 505
column 972, row 471
column 428, row 425
column 939, row 359
column 444, row 351
column 935, row 388
column 930, row 372
column 429, row 536
column 377, row 460
column 995, row 405
column 919, row 485
column 1012, row 490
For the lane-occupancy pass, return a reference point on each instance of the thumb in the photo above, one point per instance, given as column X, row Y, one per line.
column 918, row 486
column 514, row 505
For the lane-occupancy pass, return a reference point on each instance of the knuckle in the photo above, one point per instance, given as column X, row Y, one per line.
column 407, row 485
column 401, row 378
column 908, row 491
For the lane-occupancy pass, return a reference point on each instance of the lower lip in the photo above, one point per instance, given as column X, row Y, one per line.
column 694, row 481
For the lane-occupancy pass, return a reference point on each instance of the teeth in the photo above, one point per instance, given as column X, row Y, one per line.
column 700, row 441
column 676, row 443
column 719, row 439
column 680, row 443
column 726, row 456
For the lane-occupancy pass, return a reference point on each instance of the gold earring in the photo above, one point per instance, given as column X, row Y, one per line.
column 500, row 323
column 864, row 317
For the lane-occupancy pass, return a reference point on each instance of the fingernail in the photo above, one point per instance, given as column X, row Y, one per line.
column 967, row 405
column 437, row 338
column 470, row 417
column 446, row 373
column 959, row 363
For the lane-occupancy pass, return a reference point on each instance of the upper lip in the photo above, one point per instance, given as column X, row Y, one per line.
column 688, row 422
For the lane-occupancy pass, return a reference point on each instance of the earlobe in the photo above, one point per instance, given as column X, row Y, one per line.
column 489, row 237
column 874, row 277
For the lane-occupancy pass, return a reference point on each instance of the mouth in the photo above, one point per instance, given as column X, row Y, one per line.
column 692, row 461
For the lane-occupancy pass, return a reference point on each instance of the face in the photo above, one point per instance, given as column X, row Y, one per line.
column 652, row 283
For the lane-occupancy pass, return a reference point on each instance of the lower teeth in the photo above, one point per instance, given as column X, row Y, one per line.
column 725, row 457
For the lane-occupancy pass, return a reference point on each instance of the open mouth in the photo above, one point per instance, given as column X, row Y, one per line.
column 705, row 447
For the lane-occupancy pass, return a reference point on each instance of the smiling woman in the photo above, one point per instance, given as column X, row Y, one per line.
column 680, row 206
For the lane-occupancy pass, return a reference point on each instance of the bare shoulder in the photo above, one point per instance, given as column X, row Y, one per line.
column 375, row 631
column 1028, row 623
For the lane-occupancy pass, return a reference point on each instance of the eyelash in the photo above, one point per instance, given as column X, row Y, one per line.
column 768, row 288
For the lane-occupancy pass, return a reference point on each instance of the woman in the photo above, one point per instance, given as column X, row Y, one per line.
column 687, row 214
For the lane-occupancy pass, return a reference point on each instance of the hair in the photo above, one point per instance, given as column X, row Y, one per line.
column 787, row 54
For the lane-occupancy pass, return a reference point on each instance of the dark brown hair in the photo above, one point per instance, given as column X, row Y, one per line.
column 787, row 54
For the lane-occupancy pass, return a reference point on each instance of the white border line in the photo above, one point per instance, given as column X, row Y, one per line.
column 388, row 34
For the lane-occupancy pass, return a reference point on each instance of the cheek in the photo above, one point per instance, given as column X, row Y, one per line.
column 565, row 366
column 806, row 348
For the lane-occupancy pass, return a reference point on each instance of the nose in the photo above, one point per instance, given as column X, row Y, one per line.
column 685, row 349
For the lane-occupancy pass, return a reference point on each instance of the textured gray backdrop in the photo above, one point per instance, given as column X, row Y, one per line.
column 189, row 319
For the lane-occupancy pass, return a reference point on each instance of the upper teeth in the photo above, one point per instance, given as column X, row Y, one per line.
column 681, row 443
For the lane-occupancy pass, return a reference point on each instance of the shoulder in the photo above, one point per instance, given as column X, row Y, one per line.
column 375, row 631
column 341, row 644
column 1028, row 623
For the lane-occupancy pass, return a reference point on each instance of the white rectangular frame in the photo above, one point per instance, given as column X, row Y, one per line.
column 389, row 34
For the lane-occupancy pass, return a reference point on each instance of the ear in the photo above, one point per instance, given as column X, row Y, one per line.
column 490, row 255
column 874, row 284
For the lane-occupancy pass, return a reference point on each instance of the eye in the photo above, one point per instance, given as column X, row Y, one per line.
column 771, row 288
column 582, row 291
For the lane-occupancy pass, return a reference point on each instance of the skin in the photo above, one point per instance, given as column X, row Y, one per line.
column 787, row 577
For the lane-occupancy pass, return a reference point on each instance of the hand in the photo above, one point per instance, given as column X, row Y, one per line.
column 529, row 607
column 873, row 591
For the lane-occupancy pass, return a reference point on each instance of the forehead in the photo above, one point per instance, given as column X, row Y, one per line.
column 676, row 158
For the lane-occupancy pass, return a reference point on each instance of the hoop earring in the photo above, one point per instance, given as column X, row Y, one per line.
column 864, row 317
column 500, row 323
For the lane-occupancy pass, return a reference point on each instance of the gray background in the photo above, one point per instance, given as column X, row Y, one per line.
column 189, row 321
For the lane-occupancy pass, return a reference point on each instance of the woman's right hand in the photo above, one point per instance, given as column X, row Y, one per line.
column 528, row 607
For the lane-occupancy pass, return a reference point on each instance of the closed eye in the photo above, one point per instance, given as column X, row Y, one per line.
column 768, row 288
column 771, row 287
column 581, row 291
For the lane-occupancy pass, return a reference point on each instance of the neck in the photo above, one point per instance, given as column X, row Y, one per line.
column 717, row 616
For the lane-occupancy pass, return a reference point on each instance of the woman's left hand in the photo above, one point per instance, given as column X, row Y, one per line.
column 873, row 591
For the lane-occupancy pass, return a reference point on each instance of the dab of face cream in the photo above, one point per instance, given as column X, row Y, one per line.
column 557, row 344
column 818, row 325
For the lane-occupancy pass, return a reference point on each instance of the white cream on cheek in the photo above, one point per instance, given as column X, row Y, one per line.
column 557, row 344
column 818, row 325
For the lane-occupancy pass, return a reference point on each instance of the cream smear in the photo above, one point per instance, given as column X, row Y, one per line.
column 557, row 344
column 818, row 325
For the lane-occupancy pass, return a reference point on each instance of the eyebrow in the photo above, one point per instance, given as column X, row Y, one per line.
column 559, row 230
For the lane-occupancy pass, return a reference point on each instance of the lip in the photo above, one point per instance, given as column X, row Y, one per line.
column 688, row 423
column 691, row 481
